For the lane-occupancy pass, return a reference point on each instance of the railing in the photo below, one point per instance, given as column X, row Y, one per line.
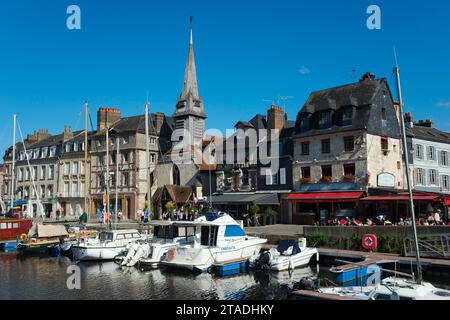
column 429, row 246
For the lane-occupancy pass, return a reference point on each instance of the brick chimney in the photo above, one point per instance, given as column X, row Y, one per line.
column 428, row 123
column 68, row 134
column 275, row 118
column 159, row 121
column 37, row 136
column 106, row 117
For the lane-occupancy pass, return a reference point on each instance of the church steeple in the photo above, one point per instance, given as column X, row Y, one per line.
column 190, row 101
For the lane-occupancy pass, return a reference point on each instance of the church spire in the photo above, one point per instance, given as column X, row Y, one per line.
column 190, row 85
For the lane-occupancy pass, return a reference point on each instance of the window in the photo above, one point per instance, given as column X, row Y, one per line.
column 66, row 189
column 432, row 177
column 419, row 151
column 152, row 158
column 75, row 147
column 113, row 159
column 35, row 154
column 349, row 144
column 349, row 169
column 43, row 173
column 275, row 179
column 304, row 123
column 126, row 179
column 75, row 168
column 305, row 148
column 49, row 192
column 153, row 140
column 283, row 176
column 27, row 174
column 347, row 117
column 42, row 191
column 52, row 152
column 324, row 120
column 20, row 175
column 44, row 153
column 67, row 147
column 420, row 176
column 75, row 189
column 326, row 146
column 431, row 153
column 67, row 168
column 306, row 172
column 327, row 171
column 83, row 169
column 444, row 158
column 126, row 158
column 269, row 177
column 384, row 144
column 445, row 183
column 35, row 173
column 51, row 172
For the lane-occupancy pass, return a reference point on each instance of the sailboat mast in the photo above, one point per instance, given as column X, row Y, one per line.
column 147, row 150
column 116, row 209
column 13, row 163
column 107, row 174
column 408, row 178
column 86, row 185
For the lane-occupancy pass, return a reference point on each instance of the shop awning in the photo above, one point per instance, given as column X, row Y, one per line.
column 246, row 199
column 447, row 201
column 349, row 196
column 401, row 198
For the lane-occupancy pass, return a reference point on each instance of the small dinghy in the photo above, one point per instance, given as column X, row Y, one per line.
column 288, row 255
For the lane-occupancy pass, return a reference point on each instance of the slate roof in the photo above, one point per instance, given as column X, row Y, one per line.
column 426, row 133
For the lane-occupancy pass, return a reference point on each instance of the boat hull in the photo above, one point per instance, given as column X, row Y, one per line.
column 296, row 261
column 96, row 253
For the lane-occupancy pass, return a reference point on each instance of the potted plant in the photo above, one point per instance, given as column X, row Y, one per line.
column 271, row 214
column 305, row 180
column 349, row 178
column 254, row 209
column 326, row 179
column 170, row 206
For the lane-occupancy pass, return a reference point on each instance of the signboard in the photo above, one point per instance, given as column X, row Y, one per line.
column 386, row 180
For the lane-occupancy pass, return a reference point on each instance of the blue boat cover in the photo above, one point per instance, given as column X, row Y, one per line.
column 283, row 245
column 211, row 216
column 234, row 231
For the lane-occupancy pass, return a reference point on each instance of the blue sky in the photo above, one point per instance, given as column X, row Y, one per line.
column 246, row 52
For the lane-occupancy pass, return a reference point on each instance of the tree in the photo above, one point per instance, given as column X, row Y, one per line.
column 254, row 209
column 271, row 214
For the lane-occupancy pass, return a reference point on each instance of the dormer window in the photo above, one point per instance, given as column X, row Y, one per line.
column 68, row 147
column 304, row 123
column 347, row 116
column 324, row 120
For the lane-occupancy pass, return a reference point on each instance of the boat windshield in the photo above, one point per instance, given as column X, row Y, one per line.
column 106, row 236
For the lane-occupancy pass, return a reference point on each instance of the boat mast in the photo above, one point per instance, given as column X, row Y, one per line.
column 107, row 174
column 408, row 178
column 13, row 163
column 147, row 150
column 116, row 208
column 86, row 106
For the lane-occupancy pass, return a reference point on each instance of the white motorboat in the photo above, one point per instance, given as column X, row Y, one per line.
column 289, row 255
column 106, row 246
column 221, row 240
column 167, row 235
column 392, row 288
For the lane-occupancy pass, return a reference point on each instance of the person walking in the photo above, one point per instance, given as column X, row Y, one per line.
column 99, row 216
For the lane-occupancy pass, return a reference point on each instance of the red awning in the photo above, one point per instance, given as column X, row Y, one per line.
column 401, row 198
column 326, row 196
column 447, row 201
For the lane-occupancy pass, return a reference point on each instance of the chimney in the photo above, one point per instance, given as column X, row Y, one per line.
column 106, row 117
column 409, row 120
column 159, row 121
column 368, row 76
column 428, row 123
column 275, row 118
column 68, row 134
column 42, row 134
column 32, row 138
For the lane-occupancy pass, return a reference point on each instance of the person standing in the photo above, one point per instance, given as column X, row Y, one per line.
column 99, row 215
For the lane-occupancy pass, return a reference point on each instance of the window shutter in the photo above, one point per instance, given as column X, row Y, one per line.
column 282, row 176
column 269, row 177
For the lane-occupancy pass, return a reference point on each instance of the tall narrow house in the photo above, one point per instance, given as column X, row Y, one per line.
column 189, row 114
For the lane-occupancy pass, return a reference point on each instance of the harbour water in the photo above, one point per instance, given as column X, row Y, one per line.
column 45, row 278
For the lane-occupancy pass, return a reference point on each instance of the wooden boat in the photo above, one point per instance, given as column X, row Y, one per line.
column 12, row 230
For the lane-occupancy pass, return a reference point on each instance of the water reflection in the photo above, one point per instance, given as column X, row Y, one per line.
column 40, row 277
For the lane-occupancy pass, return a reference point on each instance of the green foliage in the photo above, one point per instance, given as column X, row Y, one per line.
column 254, row 209
column 271, row 213
column 170, row 206
column 317, row 240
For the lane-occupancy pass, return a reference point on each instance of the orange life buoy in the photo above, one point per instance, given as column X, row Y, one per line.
column 23, row 237
column 370, row 242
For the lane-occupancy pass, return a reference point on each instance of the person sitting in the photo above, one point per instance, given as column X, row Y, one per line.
column 387, row 222
column 430, row 220
column 401, row 222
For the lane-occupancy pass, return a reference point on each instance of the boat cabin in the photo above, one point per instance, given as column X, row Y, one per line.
column 108, row 236
column 218, row 229
column 11, row 229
